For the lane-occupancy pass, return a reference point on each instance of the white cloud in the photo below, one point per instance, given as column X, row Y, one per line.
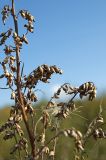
column 54, row 89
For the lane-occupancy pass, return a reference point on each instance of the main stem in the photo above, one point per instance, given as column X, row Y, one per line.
column 20, row 97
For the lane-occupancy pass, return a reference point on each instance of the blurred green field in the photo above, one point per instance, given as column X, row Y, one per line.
column 95, row 150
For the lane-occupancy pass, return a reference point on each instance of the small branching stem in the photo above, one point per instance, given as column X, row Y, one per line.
column 47, row 143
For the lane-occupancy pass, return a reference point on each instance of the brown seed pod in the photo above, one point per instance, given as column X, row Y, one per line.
column 2, row 34
column 13, row 68
column 13, row 95
column 9, row 32
column 22, row 13
column 24, row 39
column 8, row 50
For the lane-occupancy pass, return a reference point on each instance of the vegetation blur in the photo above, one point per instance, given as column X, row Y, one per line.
column 94, row 150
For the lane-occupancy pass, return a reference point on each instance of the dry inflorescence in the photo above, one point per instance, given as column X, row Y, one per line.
column 23, row 94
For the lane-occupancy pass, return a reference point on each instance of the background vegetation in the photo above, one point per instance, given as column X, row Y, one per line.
column 95, row 149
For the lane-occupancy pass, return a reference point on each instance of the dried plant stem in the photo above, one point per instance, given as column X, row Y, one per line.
column 54, row 147
column 55, row 143
column 20, row 158
column 20, row 98
column 42, row 153
column 35, row 127
column 47, row 143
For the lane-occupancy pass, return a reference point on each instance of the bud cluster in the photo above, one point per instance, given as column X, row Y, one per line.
column 42, row 73
column 50, row 153
column 99, row 120
column 22, row 144
column 99, row 133
column 87, row 88
column 19, row 40
column 77, row 135
column 29, row 109
column 46, row 150
column 8, row 50
column 26, row 15
column 9, row 135
column 12, row 123
column 4, row 36
column 8, row 63
column 7, row 125
column 65, row 109
column 5, row 13
column 31, row 96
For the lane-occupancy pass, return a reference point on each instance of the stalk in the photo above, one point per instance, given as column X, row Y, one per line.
column 20, row 97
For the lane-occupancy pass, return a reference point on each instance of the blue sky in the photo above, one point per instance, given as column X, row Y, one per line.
column 70, row 34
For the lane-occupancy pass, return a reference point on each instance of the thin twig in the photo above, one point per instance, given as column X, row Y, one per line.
column 79, row 116
column 35, row 128
column 55, row 142
column 18, row 148
column 5, row 88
